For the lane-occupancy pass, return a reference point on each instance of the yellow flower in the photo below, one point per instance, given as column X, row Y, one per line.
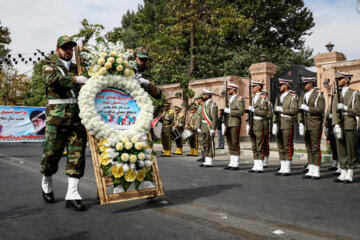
column 101, row 61
column 103, row 148
column 108, row 65
column 144, row 144
column 103, row 142
column 141, row 175
column 138, row 146
column 141, row 156
column 130, row 175
column 128, row 145
column 102, row 71
column 125, row 139
column 119, row 68
column 111, row 60
column 121, row 55
column 128, row 72
column 119, row 60
column 119, row 146
column 126, row 63
column 125, row 157
column 113, row 54
column 133, row 158
column 117, row 172
column 102, row 54
column 104, row 159
column 134, row 139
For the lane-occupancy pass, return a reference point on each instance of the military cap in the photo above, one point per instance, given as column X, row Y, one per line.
column 207, row 92
column 233, row 86
column 37, row 114
column 141, row 52
column 341, row 75
column 285, row 81
column 306, row 80
column 62, row 40
column 260, row 84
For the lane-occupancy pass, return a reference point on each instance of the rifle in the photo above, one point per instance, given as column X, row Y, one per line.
column 226, row 116
column 302, row 101
column 277, row 113
column 250, row 113
column 339, row 111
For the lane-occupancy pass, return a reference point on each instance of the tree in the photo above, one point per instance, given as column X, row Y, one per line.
column 36, row 96
column 4, row 41
column 88, row 31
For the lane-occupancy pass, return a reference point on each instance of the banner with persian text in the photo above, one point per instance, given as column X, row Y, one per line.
column 117, row 108
column 22, row 124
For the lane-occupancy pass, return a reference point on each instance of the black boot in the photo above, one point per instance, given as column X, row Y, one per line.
column 76, row 205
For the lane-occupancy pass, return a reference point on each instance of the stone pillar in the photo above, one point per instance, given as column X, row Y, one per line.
column 262, row 72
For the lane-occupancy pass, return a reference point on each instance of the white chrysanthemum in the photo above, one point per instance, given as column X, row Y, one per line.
column 132, row 166
column 126, row 167
column 111, row 153
column 148, row 163
column 103, row 54
column 124, row 139
column 138, row 146
column 125, row 157
column 141, row 163
column 128, row 145
column 148, row 151
column 133, row 158
column 119, row 146
column 141, row 156
column 148, row 156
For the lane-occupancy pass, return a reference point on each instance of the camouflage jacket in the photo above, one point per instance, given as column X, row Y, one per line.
column 60, row 85
column 194, row 122
column 168, row 118
column 179, row 121
column 151, row 89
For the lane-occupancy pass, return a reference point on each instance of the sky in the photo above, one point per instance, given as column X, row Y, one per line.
column 37, row 24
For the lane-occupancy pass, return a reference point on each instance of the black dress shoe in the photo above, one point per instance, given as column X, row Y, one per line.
column 207, row 166
column 277, row 173
column 76, row 205
column 251, row 171
column 227, row 168
column 306, row 177
column 332, row 168
column 305, row 170
column 201, row 160
column 286, row 174
column 258, row 171
column 336, row 174
column 234, row 168
column 338, row 180
column 347, row 181
column 265, row 166
column 48, row 197
column 315, row 178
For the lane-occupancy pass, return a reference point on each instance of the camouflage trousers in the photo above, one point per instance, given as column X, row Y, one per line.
column 57, row 137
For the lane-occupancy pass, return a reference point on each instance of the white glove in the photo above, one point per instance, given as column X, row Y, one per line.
column 340, row 106
column 143, row 81
column 251, row 108
column 199, row 130
column 337, row 131
column 80, row 79
column 227, row 110
column 304, row 107
column 301, row 129
column 326, row 132
column 345, row 108
column 274, row 129
column 223, row 128
column 212, row 132
column 247, row 129
column 278, row 109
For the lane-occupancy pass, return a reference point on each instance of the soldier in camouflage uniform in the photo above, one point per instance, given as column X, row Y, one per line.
column 200, row 101
column 167, row 119
column 63, row 126
column 179, row 124
column 193, row 125
column 141, row 56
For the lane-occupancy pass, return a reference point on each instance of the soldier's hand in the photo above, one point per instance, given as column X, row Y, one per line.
column 304, row 107
column 212, row 132
column 278, row 109
column 80, row 79
column 227, row 110
column 143, row 81
column 337, row 131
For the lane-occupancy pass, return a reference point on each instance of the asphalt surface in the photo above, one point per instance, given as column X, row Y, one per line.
column 198, row 204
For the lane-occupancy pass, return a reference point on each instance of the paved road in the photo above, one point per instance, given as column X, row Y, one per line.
column 199, row 204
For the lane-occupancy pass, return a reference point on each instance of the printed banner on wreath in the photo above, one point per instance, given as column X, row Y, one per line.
column 117, row 108
column 22, row 124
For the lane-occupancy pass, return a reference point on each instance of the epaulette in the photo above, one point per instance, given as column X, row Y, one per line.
column 181, row 114
column 47, row 69
column 171, row 111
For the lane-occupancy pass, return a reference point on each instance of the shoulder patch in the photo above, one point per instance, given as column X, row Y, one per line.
column 47, row 69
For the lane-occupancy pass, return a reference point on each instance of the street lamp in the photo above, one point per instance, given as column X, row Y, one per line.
column 329, row 46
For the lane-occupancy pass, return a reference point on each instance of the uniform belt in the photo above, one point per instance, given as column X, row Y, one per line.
column 258, row 118
column 345, row 113
column 62, row 101
column 285, row 116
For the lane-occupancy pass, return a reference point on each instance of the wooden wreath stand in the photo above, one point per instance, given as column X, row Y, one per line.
column 103, row 182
